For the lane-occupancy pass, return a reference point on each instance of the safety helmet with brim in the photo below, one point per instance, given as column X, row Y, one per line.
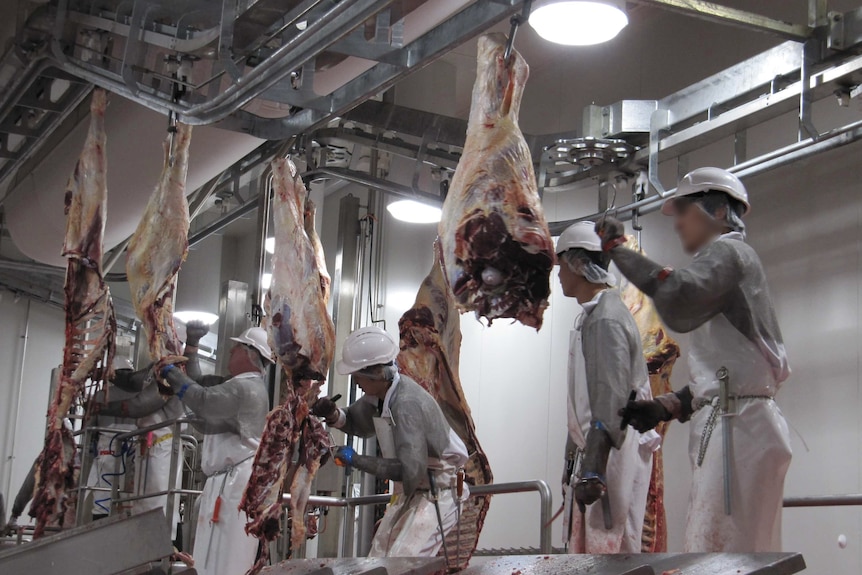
column 255, row 337
column 579, row 235
column 704, row 180
column 367, row 347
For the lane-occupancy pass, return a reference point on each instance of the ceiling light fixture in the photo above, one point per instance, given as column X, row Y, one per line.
column 414, row 212
column 265, row 281
column 269, row 244
column 578, row 22
column 204, row 317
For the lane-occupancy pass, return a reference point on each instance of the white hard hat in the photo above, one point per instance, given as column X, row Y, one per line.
column 366, row 347
column 256, row 337
column 121, row 363
column 704, row 180
column 579, row 235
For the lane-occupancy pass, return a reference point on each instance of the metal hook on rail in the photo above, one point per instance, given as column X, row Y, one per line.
column 515, row 21
column 178, row 90
column 639, row 193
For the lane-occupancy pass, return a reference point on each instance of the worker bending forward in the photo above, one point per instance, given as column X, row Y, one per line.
column 416, row 442
column 723, row 300
column 233, row 414
column 607, row 468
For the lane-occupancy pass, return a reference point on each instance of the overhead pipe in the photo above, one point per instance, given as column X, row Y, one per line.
column 331, row 26
column 367, row 180
column 756, row 166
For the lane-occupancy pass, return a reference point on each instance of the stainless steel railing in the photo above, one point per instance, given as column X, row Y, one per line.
column 824, row 500
column 539, row 486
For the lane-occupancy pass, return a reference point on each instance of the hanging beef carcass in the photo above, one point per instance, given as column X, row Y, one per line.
column 90, row 325
column 497, row 250
column 430, row 354
column 660, row 352
column 302, row 336
column 157, row 250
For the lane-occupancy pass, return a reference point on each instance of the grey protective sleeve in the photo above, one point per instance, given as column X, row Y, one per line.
column 688, row 297
column 411, row 445
column 596, row 453
column 216, row 406
column 193, row 366
column 144, row 403
column 133, row 381
column 359, row 418
column 25, row 493
column 379, row 467
column 607, row 359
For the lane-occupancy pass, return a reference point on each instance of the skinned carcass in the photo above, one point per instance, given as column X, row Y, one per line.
column 497, row 250
column 158, row 249
column 430, row 354
column 302, row 336
column 90, row 326
column 660, row 353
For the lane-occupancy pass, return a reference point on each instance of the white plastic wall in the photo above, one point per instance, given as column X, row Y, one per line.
column 24, row 388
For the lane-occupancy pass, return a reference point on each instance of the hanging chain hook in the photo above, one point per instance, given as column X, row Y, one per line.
column 515, row 21
column 639, row 192
column 178, row 90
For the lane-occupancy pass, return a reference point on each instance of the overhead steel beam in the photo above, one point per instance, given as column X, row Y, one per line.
column 466, row 24
column 713, row 12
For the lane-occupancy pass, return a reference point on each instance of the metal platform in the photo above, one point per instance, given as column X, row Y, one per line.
column 645, row 564
column 359, row 566
column 100, row 548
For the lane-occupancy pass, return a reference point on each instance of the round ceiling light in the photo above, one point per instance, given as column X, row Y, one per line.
column 414, row 212
column 578, row 22
column 204, row 317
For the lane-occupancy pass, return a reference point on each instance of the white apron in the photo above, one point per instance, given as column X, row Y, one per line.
column 761, row 447
column 153, row 464
column 410, row 527
column 224, row 548
column 628, row 471
column 106, row 470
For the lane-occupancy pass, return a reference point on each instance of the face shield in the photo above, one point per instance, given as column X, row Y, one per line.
column 712, row 202
column 581, row 263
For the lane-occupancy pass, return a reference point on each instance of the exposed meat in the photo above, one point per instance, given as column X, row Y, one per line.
column 157, row 250
column 497, row 250
column 90, row 325
column 660, row 352
column 303, row 338
column 430, row 353
column 313, row 452
column 301, row 330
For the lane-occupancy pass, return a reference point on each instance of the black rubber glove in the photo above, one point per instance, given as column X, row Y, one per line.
column 325, row 408
column 588, row 491
column 644, row 415
column 195, row 330
column 612, row 232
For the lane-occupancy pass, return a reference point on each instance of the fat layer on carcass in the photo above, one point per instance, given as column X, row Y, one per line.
column 430, row 351
column 660, row 352
column 90, row 325
column 302, row 332
column 497, row 250
column 302, row 336
column 158, row 249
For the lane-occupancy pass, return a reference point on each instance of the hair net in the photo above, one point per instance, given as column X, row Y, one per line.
column 384, row 372
column 714, row 200
column 255, row 357
column 584, row 264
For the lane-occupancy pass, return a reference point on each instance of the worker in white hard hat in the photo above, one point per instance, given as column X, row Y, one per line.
column 232, row 415
column 608, row 468
column 420, row 452
column 737, row 362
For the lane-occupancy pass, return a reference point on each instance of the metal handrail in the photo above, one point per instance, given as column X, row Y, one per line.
column 538, row 485
column 824, row 500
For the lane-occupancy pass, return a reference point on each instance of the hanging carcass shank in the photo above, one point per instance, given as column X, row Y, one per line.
column 302, row 336
column 660, row 353
column 157, row 250
column 90, row 325
column 497, row 250
column 430, row 353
